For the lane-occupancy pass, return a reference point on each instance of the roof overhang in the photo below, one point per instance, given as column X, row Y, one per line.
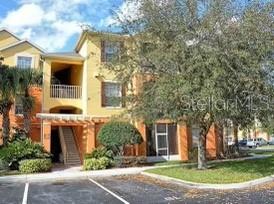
column 20, row 43
column 87, row 33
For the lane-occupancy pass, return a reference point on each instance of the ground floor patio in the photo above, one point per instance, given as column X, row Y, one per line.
column 162, row 141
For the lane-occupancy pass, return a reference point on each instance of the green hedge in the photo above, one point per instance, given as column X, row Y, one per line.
column 35, row 165
column 96, row 164
column 116, row 134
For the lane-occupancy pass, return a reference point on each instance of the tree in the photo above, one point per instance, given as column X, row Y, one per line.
column 115, row 135
column 27, row 79
column 199, row 54
column 8, row 89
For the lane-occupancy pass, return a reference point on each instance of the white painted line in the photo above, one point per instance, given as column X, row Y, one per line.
column 25, row 197
column 110, row 192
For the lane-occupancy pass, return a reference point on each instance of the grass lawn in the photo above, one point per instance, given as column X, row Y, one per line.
column 221, row 173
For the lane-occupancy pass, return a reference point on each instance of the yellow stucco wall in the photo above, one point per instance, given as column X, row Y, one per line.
column 50, row 103
column 94, row 105
column 87, row 76
column 25, row 49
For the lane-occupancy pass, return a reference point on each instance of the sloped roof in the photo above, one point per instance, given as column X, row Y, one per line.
column 20, row 41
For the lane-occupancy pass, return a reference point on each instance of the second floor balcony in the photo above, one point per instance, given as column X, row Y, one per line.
column 62, row 91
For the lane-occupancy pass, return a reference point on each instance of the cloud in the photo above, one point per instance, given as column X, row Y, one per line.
column 52, row 23
column 128, row 11
column 24, row 16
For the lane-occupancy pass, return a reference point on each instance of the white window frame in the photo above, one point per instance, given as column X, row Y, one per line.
column 25, row 55
column 121, row 93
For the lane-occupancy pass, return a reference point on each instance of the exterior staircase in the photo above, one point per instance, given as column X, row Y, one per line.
column 69, row 148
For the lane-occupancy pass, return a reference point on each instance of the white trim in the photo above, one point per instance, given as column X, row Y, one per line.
column 109, row 191
column 21, row 42
column 121, row 93
column 25, row 197
column 11, row 33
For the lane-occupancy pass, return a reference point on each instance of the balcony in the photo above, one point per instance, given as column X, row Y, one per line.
column 65, row 91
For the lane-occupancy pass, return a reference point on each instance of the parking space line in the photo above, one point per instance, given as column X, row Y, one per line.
column 110, row 192
column 25, row 197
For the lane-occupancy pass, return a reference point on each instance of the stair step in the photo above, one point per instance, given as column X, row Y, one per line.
column 70, row 143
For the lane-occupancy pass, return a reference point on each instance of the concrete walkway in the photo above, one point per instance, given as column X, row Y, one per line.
column 71, row 174
column 77, row 173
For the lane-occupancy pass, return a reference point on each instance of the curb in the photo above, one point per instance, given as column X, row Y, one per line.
column 231, row 186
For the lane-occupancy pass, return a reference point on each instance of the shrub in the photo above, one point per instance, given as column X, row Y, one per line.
column 100, row 152
column 97, row 164
column 20, row 150
column 35, row 165
column 115, row 135
column 4, row 166
column 130, row 161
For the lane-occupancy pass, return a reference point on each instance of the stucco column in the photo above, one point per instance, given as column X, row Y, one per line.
column 46, row 135
column 91, row 136
column 46, row 85
column 212, row 142
column 141, row 149
column 184, row 141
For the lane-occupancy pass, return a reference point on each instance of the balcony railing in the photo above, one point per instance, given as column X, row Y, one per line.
column 65, row 91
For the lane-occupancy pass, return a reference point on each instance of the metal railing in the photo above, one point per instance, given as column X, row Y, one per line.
column 65, row 91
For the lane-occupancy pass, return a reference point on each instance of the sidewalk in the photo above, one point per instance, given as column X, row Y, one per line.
column 77, row 173
column 72, row 174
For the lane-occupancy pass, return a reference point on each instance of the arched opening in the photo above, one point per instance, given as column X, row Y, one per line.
column 66, row 110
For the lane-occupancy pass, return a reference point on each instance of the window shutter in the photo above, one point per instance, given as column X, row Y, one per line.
column 103, row 95
column 103, row 54
column 124, row 90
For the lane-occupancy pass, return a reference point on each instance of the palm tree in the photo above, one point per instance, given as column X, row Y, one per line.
column 27, row 79
column 8, row 89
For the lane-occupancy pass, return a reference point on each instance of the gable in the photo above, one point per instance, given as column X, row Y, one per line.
column 7, row 38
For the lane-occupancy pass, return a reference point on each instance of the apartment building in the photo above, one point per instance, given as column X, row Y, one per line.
column 75, row 101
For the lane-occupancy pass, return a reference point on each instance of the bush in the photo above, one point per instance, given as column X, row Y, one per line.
column 97, row 164
column 130, row 161
column 20, row 150
column 4, row 166
column 115, row 135
column 100, row 152
column 35, row 165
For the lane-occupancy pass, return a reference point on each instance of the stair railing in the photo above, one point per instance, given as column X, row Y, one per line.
column 63, row 144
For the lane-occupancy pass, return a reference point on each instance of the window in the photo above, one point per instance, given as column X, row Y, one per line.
column 18, row 105
column 110, row 50
column 24, row 62
column 111, row 94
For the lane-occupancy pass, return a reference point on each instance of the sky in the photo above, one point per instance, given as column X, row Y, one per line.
column 55, row 25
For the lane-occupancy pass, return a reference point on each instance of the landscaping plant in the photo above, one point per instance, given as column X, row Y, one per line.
column 115, row 135
column 204, row 61
column 96, row 163
column 35, row 165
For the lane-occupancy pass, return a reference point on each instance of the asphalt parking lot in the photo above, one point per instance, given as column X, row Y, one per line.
column 126, row 189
